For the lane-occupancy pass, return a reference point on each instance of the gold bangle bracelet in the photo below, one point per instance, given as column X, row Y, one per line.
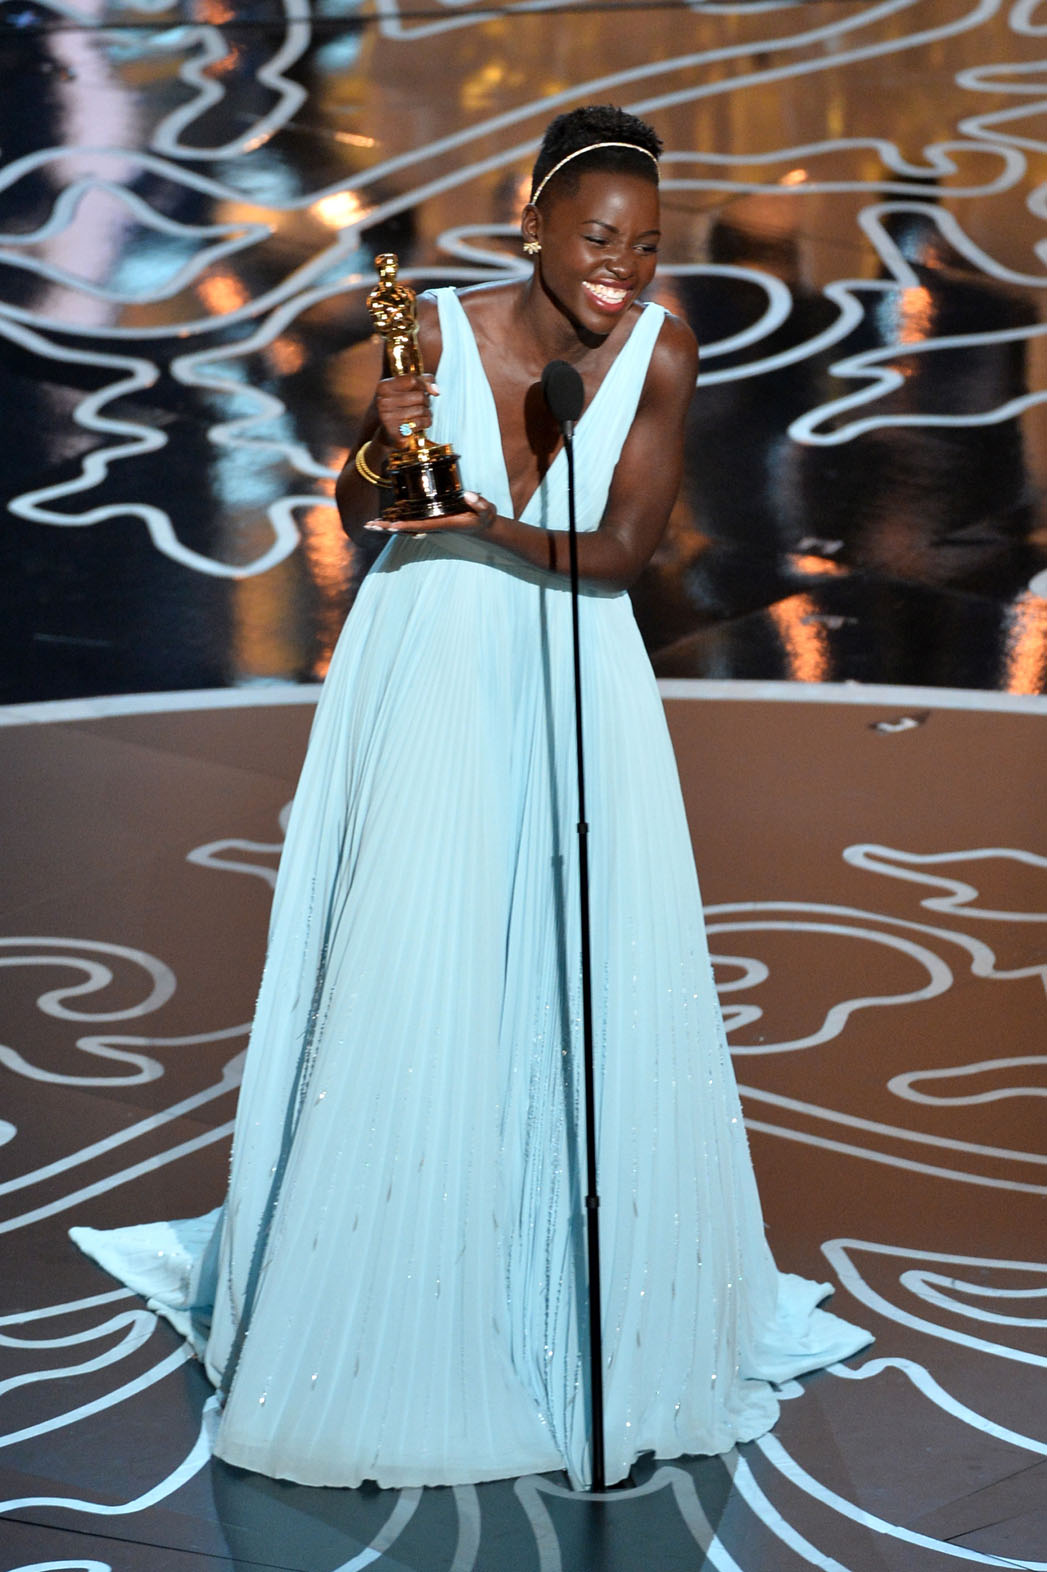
column 364, row 469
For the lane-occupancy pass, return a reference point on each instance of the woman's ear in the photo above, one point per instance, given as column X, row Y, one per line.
column 530, row 226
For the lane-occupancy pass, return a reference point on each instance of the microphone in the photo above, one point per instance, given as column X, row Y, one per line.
column 564, row 393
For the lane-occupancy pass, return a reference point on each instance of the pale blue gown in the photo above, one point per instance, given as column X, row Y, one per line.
column 398, row 1274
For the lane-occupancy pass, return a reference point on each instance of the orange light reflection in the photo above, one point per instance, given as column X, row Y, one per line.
column 340, row 209
column 222, row 293
column 805, row 644
column 329, row 557
column 1025, row 654
column 915, row 314
column 266, row 632
column 226, row 64
column 816, row 566
column 286, row 355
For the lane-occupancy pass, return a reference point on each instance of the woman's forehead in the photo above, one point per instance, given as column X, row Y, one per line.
column 601, row 192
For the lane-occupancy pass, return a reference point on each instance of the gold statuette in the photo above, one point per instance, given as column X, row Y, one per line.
column 423, row 474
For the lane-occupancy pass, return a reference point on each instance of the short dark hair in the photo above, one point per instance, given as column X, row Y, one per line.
column 588, row 128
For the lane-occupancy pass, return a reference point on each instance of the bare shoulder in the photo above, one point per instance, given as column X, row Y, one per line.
column 673, row 368
column 487, row 306
column 676, row 350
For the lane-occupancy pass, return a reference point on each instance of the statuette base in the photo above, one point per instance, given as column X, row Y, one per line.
column 426, row 485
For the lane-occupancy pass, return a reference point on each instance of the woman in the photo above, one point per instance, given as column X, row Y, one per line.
column 400, row 1283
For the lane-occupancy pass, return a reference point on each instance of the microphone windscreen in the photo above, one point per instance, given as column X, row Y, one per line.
column 563, row 391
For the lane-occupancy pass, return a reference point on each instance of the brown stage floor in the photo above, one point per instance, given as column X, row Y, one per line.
column 875, row 884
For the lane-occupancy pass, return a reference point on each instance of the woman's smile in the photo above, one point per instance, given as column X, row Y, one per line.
column 606, row 296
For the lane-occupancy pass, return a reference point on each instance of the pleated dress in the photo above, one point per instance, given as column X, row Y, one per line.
column 395, row 1288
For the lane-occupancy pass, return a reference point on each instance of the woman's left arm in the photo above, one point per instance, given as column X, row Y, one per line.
column 643, row 490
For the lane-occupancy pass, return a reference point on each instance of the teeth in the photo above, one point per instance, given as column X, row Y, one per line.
column 608, row 292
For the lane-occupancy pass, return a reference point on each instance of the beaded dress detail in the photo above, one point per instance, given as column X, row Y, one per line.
column 395, row 1287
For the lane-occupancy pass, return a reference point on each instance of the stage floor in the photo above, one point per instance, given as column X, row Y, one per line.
column 878, row 907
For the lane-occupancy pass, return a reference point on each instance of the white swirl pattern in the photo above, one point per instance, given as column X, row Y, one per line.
column 984, row 1306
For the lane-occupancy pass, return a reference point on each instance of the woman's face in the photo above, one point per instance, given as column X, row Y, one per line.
column 599, row 246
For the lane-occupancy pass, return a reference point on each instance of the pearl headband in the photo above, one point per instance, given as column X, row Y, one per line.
column 594, row 147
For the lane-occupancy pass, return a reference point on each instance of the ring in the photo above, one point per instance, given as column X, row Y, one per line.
column 406, row 428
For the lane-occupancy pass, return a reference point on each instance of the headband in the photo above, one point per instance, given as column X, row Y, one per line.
column 594, row 147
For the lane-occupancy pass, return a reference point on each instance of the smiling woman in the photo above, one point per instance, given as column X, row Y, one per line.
column 592, row 226
column 623, row 229
column 396, row 1286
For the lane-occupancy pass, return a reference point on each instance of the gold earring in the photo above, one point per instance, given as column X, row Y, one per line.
column 532, row 247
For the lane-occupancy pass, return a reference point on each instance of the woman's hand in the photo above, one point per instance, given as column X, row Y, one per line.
column 479, row 517
column 403, row 405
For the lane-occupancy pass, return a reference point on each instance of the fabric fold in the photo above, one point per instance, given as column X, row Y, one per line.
column 398, row 1275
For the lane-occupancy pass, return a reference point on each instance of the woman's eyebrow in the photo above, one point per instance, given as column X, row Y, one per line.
column 614, row 227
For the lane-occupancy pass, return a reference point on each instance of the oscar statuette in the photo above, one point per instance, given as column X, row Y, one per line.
column 423, row 475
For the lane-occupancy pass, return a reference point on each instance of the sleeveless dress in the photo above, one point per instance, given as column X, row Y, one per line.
column 395, row 1289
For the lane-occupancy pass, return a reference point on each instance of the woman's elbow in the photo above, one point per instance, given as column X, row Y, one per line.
column 625, row 563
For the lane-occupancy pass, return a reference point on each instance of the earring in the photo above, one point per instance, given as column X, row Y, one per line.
column 532, row 247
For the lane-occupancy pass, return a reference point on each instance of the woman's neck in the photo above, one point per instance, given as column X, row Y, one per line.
column 554, row 335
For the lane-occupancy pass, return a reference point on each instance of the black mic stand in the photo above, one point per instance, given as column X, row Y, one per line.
column 564, row 395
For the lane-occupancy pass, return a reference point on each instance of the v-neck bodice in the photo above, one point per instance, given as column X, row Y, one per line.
column 466, row 416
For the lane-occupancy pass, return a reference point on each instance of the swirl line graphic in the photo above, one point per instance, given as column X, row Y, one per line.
column 777, row 1455
column 840, row 1254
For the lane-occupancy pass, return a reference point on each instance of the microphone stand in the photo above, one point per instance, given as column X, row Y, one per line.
column 592, row 1199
